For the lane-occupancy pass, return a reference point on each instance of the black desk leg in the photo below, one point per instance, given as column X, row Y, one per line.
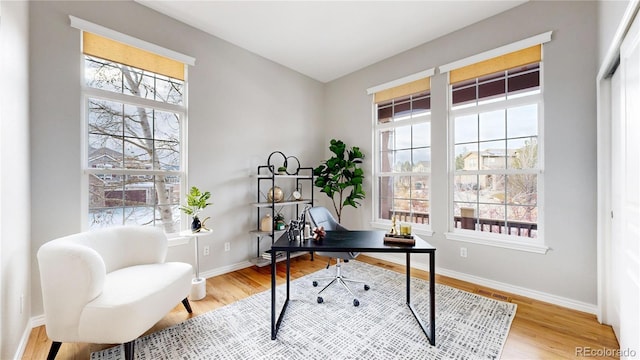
column 408, row 278
column 273, row 295
column 432, row 296
column 431, row 334
column 288, row 272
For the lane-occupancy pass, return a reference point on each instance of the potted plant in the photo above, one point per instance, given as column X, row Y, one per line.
column 196, row 201
column 340, row 176
column 279, row 222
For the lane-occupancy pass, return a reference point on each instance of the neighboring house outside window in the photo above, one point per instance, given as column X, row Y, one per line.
column 134, row 114
column 403, row 154
column 495, row 120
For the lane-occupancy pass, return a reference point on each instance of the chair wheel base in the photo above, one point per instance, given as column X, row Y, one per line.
column 315, row 283
column 366, row 287
column 320, row 300
column 356, row 302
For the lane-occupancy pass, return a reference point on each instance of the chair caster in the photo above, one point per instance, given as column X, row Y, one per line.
column 315, row 283
column 320, row 300
column 366, row 287
column 356, row 302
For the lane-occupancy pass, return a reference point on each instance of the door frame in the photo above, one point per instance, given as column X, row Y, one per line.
column 604, row 166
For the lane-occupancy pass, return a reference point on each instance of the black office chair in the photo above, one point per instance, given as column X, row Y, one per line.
column 321, row 216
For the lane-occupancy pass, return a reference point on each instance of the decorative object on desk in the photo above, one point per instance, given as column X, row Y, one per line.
column 266, row 224
column 470, row 326
column 405, row 229
column 399, row 239
column 196, row 201
column 279, row 222
column 294, row 232
column 319, row 233
column 340, row 175
column 393, row 231
column 275, row 194
column 307, row 231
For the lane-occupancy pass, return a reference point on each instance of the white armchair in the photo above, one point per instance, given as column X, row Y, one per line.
column 109, row 286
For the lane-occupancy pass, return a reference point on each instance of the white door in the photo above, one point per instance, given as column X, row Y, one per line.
column 617, row 198
column 628, row 223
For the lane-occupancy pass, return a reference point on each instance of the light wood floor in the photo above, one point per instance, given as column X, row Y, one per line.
column 539, row 330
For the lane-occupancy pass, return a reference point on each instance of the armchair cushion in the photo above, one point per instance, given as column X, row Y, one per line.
column 136, row 296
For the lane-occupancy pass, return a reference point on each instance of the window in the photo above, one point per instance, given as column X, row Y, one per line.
column 134, row 115
column 403, row 153
column 495, row 116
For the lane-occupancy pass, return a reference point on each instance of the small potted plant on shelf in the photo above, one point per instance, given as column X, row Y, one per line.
column 196, row 201
column 279, row 222
column 282, row 170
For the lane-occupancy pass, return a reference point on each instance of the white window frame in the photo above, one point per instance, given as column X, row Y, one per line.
column 535, row 245
column 94, row 93
column 384, row 224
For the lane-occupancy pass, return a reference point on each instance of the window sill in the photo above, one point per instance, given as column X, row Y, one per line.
column 177, row 240
column 421, row 230
column 499, row 240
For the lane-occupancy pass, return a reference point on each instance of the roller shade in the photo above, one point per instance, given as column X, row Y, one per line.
column 511, row 60
column 413, row 87
column 104, row 48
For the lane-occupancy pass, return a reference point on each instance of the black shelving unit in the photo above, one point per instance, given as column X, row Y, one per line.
column 267, row 177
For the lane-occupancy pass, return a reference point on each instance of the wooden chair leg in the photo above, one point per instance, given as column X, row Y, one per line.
column 53, row 350
column 129, row 349
column 187, row 306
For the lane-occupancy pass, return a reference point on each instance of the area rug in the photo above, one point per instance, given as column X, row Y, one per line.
column 468, row 326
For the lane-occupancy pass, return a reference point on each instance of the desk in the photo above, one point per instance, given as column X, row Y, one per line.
column 357, row 241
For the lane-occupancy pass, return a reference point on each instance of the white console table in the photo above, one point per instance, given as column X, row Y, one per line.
column 198, row 285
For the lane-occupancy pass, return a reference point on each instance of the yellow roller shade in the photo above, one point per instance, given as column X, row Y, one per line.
column 413, row 87
column 504, row 62
column 104, row 48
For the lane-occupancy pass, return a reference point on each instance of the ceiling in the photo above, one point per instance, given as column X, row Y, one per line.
column 329, row 39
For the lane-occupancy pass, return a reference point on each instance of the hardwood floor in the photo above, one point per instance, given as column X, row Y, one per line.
column 539, row 330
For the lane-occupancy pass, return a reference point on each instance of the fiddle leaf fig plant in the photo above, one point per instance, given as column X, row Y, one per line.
column 340, row 176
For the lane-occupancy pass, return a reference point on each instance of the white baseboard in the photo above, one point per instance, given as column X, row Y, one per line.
column 533, row 294
column 225, row 269
column 37, row 321
column 23, row 343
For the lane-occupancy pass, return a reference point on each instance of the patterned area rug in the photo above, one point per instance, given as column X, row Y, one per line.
column 468, row 326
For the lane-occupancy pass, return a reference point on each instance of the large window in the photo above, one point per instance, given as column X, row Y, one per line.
column 495, row 121
column 403, row 155
column 134, row 111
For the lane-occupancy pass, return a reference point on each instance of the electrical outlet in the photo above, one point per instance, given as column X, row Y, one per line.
column 206, row 250
column 227, row 246
column 463, row 252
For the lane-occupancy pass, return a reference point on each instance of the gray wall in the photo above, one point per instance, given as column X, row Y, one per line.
column 568, row 269
column 15, row 257
column 241, row 108
column 609, row 15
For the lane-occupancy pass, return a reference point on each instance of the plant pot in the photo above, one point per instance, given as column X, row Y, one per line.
column 196, row 225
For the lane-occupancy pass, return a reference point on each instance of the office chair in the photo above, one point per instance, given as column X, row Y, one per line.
column 321, row 216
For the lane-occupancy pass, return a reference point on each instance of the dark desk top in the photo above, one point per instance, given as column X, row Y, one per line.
column 356, row 241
